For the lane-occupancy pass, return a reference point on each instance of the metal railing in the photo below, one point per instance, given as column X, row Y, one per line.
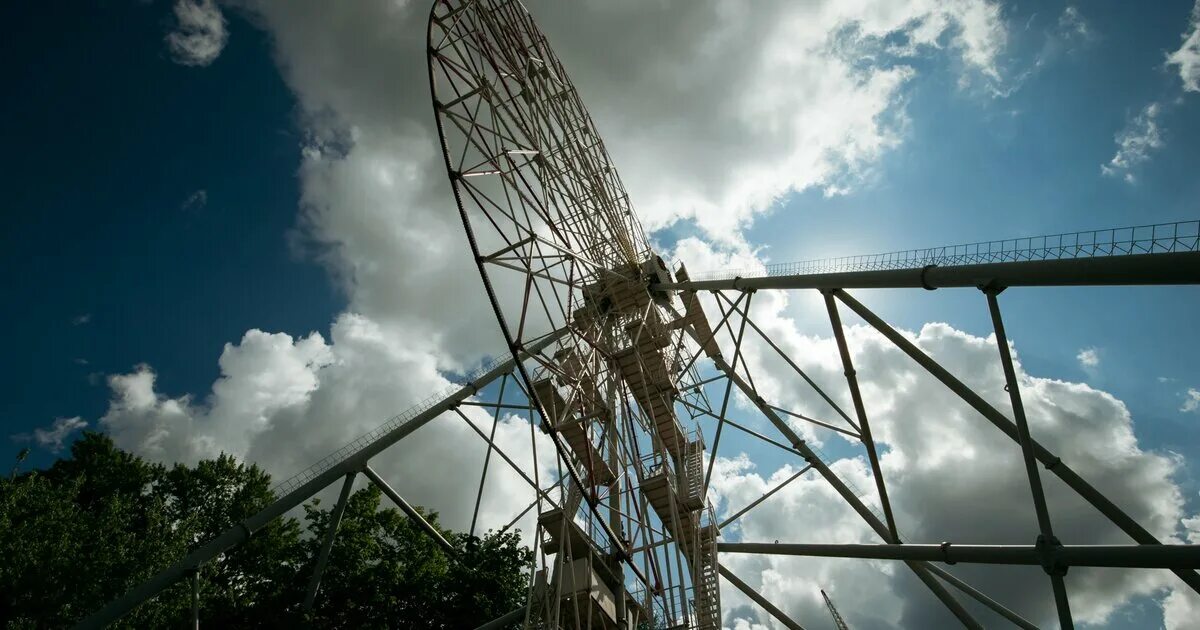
column 284, row 487
column 1161, row 238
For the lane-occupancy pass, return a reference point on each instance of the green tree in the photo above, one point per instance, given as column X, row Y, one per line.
column 244, row 586
column 384, row 571
column 84, row 531
column 78, row 534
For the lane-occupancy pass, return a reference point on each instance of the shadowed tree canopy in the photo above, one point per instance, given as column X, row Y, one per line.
column 85, row 530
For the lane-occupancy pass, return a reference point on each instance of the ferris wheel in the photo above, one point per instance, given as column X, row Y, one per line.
column 561, row 254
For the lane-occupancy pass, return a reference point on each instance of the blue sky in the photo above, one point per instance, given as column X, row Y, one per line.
column 115, row 138
column 152, row 208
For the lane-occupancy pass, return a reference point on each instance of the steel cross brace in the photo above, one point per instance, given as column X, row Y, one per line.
column 1048, row 459
column 839, row 486
column 861, row 411
column 758, row 598
column 335, row 520
column 412, row 513
column 1047, row 539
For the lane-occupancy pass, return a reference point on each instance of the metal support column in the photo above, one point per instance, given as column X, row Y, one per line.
column 861, row 411
column 1048, row 459
column 758, row 599
column 1047, row 538
column 410, row 511
column 737, row 355
column 335, row 520
column 196, row 599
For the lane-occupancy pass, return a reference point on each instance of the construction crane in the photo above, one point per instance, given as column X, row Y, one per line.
column 833, row 611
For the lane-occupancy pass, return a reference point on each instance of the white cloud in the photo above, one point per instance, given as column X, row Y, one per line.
column 80, row 320
column 1140, row 137
column 195, row 201
column 1072, row 25
column 1191, row 402
column 56, row 435
column 718, row 129
column 200, row 33
column 1187, row 58
column 285, row 403
column 1181, row 607
column 1088, row 358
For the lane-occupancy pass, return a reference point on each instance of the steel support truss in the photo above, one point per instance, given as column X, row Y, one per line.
column 1175, row 267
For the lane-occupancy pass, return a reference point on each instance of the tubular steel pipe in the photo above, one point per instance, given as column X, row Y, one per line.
column 410, row 511
column 978, row 596
column 510, row 617
column 1061, row 603
column 335, row 520
column 1135, row 269
column 1048, row 459
column 1121, row 556
column 240, row 532
column 196, row 599
column 860, row 410
column 764, row 497
column 758, row 599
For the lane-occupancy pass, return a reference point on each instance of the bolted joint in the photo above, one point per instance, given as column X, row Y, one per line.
column 1049, row 554
column 925, row 283
column 992, row 288
column 945, row 547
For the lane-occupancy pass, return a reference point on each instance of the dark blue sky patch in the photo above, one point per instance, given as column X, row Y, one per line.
column 152, row 199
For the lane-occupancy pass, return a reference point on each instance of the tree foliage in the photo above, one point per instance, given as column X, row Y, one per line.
column 85, row 530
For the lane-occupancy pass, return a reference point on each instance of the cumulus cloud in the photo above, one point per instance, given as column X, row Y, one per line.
column 286, row 402
column 79, row 320
column 813, row 103
column 200, row 33
column 1191, row 402
column 1088, row 358
column 1140, row 137
column 1187, row 58
column 56, row 435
